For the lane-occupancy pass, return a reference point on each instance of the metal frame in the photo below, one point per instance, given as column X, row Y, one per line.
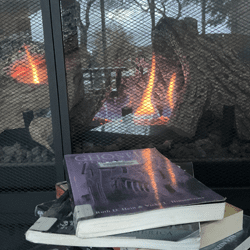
column 57, row 82
column 61, row 75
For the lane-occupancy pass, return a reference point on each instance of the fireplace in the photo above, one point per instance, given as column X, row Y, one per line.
column 172, row 81
column 90, row 76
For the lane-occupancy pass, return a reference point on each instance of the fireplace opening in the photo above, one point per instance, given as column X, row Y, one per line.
column 144, row 78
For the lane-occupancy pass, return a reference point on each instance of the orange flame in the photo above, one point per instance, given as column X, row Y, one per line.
column 31, row 69
column 171, row 173
column 146, row 153
column 146, row 107
column 170, row 92
column 33, row 66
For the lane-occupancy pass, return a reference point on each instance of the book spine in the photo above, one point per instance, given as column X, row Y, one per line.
column 127, row 248
column 61, row 187
column 69, row 189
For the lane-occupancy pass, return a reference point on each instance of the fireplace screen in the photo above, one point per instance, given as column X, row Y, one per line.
column 25, row 126
column 167, row 74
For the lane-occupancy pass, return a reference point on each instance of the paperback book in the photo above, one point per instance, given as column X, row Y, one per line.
column 54, row 231
column 237, row 241
column 171, row 237
column 214, row 232
column 113, row 192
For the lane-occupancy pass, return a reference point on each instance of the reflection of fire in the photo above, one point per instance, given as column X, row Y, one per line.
column 146, row 107
column 100, row 121
column 146, row 153
column 30, row 69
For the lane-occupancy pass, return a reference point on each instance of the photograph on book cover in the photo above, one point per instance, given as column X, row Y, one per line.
column 123, row 182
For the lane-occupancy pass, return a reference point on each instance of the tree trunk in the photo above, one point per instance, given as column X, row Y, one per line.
column 203, row 18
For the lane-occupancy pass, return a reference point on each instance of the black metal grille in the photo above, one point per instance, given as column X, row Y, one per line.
column 167, row 74
column 27, row 159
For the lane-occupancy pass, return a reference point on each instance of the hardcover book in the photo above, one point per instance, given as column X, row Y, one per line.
column 132, row 190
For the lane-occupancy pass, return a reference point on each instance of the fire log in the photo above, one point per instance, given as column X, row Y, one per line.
column 212, row 76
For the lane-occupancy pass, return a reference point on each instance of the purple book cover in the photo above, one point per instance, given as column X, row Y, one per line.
column 130, row 181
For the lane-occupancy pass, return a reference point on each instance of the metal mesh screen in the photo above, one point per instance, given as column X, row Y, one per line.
column 26, row 130
column 26, row 141
column 166, row 74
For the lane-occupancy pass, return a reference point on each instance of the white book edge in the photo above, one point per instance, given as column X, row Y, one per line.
column 109, row 241
column 119, row 224
column 223, row 228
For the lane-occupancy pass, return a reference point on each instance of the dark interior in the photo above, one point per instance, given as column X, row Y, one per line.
column 96, row 76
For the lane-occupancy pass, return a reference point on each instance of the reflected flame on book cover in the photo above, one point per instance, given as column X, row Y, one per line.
column 113, row 185
column 149, row 169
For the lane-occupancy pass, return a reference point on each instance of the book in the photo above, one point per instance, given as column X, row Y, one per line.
column 61, row 187
column 237, row 241
column 211, row 232
column 124, row 191
column 60, row 230
column 214, row 231
column 64, row 226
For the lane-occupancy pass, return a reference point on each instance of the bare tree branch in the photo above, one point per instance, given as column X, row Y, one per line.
column 163, row 13
column 83, row 28
column 145, row 10
column 87, row 12
column 160, row 11
column 179, row 9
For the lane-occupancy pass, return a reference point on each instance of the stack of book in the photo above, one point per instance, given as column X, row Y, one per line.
column 135, row 199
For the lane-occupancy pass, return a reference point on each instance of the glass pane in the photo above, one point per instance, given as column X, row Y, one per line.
column 166, row 74
column 25, row 127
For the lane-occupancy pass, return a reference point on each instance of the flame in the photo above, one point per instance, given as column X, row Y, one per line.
column 147, row 154
column 30, row 69
column 33, row 66
column 146, row 107
column 170, row 92
column 171, row 173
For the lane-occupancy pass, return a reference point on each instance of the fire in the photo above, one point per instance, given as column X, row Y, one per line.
column 30, row 69
column 146, row 107
column 170, row 92
column 33, row 66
